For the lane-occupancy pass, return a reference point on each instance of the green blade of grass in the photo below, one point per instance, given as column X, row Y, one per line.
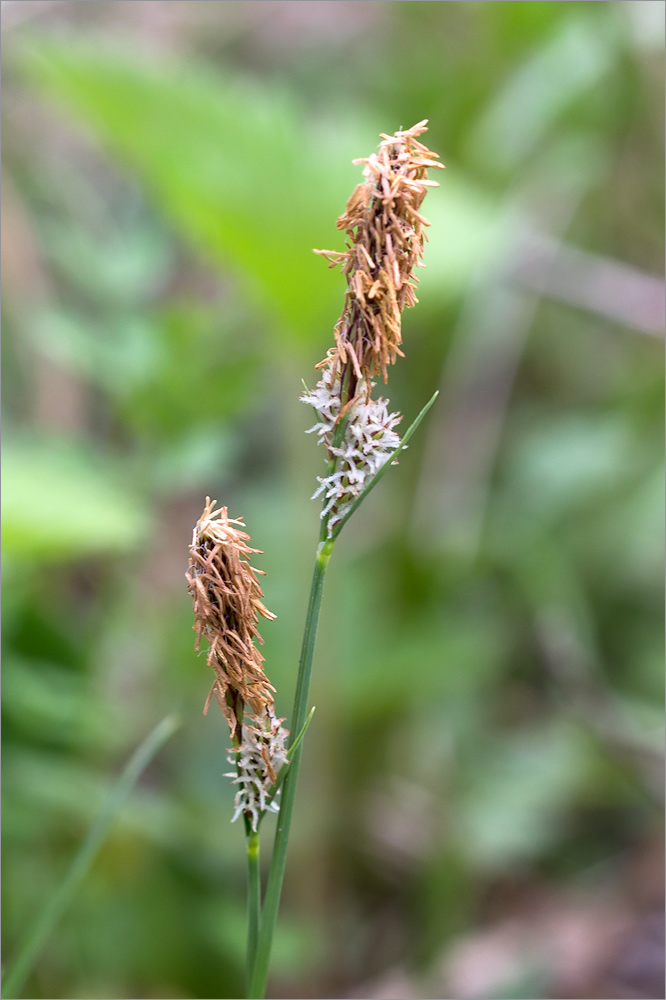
column 61, row 898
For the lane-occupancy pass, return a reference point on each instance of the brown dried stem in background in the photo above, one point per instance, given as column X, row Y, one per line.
column 227, row 604
column 385, row 243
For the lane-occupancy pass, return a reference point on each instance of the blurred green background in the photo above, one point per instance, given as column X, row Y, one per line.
column 479, row 814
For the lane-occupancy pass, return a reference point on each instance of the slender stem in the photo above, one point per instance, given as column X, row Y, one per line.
column 59, row 901
column 276, row 874
column 253, row 898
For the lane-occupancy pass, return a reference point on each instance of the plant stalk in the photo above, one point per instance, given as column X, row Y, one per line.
column 259, row 974
column 253, row 898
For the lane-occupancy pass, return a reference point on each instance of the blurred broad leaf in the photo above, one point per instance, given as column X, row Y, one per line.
column 249, row 180
column 46, row 701
column 537, row 93
column 59, row 505
column 560, row 465
column 127, row 264
column 173, row 374
column 514, row 807
column 227, row 160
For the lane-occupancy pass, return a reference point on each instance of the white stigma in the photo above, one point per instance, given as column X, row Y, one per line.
column 262, row 750
column 368, row 442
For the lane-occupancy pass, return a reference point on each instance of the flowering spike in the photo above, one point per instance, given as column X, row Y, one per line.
column 261, row 752
column 227, row 606
column 368, row 440
column 385, row 237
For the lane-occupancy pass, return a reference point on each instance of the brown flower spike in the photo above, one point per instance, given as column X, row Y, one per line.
column 227, row 605
column 385, row 231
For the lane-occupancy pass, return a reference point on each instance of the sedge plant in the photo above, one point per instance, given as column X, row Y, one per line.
column 385, row 234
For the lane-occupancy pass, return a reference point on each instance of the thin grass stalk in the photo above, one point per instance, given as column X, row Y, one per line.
column 259, row 972
column 60, row 900
column 253, row 897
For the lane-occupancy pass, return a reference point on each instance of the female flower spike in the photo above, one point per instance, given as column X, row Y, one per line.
column 368, row 440
column 227, row 605
column 261, row 753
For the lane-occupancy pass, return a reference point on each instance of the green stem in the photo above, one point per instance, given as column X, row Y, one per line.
column 253, row 897
column 259, row 974
column 59, row 901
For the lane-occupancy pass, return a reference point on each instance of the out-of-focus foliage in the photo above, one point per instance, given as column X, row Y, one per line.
column 479, row 813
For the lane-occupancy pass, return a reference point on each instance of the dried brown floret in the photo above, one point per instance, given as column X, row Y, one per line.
column 385, row 233
column 227, row 605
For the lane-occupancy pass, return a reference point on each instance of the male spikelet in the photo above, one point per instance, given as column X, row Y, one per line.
column 227, row 605
column 385, row 237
